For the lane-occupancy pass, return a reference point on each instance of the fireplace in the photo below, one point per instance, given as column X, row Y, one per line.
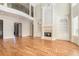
column 47, row 34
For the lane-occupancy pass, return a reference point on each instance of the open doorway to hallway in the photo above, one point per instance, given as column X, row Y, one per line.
column 18, row 29
column 1, row 28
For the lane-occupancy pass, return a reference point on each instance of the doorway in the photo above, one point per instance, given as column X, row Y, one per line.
column 1, row 29
column 31, row 29
column 18, row 29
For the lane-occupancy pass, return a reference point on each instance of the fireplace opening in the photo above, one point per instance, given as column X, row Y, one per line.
column 48, row 34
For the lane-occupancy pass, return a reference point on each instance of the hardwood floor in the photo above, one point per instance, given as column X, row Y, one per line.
column 29, row 46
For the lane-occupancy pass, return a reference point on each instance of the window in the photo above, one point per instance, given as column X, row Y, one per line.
column 75, row 31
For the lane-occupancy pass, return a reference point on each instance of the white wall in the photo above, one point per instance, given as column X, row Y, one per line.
column 60, row 29
column 26, row 29
column 46, row 20
column 59, row 12
column 37, row 21
column 75, row 10
column 8, row 25
column 47, row 16
column 41, row 14
column 75, row 25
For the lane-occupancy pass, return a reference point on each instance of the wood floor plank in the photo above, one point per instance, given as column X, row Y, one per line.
column 29, row 46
